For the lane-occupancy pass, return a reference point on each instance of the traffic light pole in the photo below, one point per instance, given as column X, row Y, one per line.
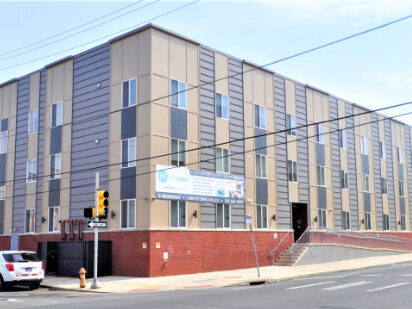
column 95, row 284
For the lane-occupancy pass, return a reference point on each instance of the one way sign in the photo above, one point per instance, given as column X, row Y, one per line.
column 94, row 224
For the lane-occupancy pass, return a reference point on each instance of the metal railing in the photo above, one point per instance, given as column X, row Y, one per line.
column 272, row 253
column 304, row 238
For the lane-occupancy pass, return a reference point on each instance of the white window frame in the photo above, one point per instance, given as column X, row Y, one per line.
column 129, row 92
column 346, row 220
column 368, row 221
column 260, row 109
column 258, row 170
column 322, row 214
column 32, row 221
column 4, row 137
column 403, row 222
column 129, row 162
column 364, row 145
column 222, row 109
column 58, row 124
column 180, row 92
column 54, row 223
column 178, row 215
column 129, row 225
column 2, row 192
column 343, row 139
column 33, row 123
column 320, row 176
column 401, row 188
column 263, row 222
column 344, row 178
column 382, row 150
column 293, row 171
column 55, row 175
column 319, row 132
column 179, row 151
column 224, row 215
column 386, row 227
column 383, row 179
column 365, row 182
column 221, row 157
column 291, row 124
column 399, row 156
column 30, row 165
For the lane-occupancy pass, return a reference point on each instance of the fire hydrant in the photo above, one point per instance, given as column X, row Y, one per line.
column 82, row 275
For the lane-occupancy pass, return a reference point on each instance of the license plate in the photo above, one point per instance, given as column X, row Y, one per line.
column 29, row 270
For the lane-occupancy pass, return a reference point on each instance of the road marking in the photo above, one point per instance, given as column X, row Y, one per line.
column 199, row 286
column 309, row 285
column 372, row 275
column 344, row 286
column 328, row 277
column 407, row 275
column 388, row 287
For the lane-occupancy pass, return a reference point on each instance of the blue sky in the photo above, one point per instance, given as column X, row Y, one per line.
column 374, row 70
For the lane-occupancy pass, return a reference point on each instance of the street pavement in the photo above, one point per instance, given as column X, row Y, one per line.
column 377, row 287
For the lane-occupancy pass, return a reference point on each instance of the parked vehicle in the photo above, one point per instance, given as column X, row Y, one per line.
column 20, row 268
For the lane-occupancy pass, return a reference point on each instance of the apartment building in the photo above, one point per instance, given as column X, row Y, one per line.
column 133, row 109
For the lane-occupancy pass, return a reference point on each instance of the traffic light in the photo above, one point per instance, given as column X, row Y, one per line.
column 89, row 212
column 102, row 203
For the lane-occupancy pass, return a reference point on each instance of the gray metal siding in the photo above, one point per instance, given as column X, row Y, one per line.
column 54, row 192
column 352, row 177
column 236, row 131
column 335, row 153
column 207, row 126
column 178, row 123
column 284, row 207
column 128, row 122
column 89, row 69
column 409, row 167
column 128, row 183
column 302, row 133
column 261, row 191
column 389, row 175
column 377, row 171
column 19, row 200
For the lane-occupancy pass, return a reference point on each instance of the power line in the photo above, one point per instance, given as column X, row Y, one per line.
column 81, row 31
column 213, row 159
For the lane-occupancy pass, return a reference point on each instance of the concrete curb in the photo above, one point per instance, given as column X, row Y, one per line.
column 55, row 288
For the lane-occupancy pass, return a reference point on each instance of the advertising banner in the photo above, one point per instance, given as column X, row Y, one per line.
column 198, row 186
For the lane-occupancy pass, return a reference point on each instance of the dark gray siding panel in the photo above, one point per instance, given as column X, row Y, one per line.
column 178, row 123
column 377, row 171
column 400, row 171
column 320, row 154
column 402, row 205
column 54, row 192
column 236, row 131
column 89, row 69
column 335, row 153
column 302, row 133
column 3, row 161
column 409, row 167
column 365, row 164
column 389, row 175
column 322, row 197
column 40, row 149
column 128, row 122
column 19, row 201
column 2, row 217
column 352, row 179
column 56, row 140
column 128, row 183
column 4, row 125
column 207, row 125
column 261, row 191
column 260, row 142
column 367, row 201
column 284, row 207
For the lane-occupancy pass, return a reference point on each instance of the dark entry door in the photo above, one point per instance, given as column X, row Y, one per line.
column 299, row 218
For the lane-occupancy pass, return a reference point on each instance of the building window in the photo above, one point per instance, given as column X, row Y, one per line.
column 33, row 121
column 260, row 116
column 320, row 171
column 55, row 165
column 177, row 213
column 57, row 114
column 293, row 171
column 30, row 221
column 222, row 160
column 322, row 222
column 368, row 223
column 223, row 216
column 54, row 217
column 4, row 139
column 178, row 98
column 129, row 93
column 345, row 220
column 365, row 182
column 129, row 152
column 401, row 189
column 291, row 124
column 384, row 186
column 222, row 106
column 399, row 154
column 128, row 214
column 344, row 179
column 261, row 217
column 343, row 139
column 178, row 155
column 382, row 150
column 260, row 166
column 2, row 193
column 385, row 222
column 403, row 222
column 31, row 170
column 364, row 145
column 319, row 133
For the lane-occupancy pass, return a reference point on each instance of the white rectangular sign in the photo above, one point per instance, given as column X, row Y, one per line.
column 198, row 186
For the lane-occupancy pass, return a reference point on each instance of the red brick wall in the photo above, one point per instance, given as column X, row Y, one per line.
column 5, row 242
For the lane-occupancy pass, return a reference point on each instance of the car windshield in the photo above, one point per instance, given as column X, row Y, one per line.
column 20, row 257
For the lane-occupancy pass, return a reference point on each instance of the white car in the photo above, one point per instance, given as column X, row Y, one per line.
column 20, row 268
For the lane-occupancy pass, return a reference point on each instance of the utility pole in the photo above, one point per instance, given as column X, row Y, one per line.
column 95, row 284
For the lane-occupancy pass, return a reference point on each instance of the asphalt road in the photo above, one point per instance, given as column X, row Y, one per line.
column 381, row 287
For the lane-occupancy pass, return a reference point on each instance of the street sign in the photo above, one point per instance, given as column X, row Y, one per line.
column 94, row 224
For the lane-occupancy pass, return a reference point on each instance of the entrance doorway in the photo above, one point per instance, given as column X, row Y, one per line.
column 299, row 219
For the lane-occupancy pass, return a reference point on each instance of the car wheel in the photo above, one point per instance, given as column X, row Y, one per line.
column 34, row 286
column 2, row 284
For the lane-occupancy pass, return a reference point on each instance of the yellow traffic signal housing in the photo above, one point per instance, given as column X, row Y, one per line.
column 102, row 203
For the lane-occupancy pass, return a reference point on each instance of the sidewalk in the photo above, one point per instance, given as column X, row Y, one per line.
column 269, row 274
